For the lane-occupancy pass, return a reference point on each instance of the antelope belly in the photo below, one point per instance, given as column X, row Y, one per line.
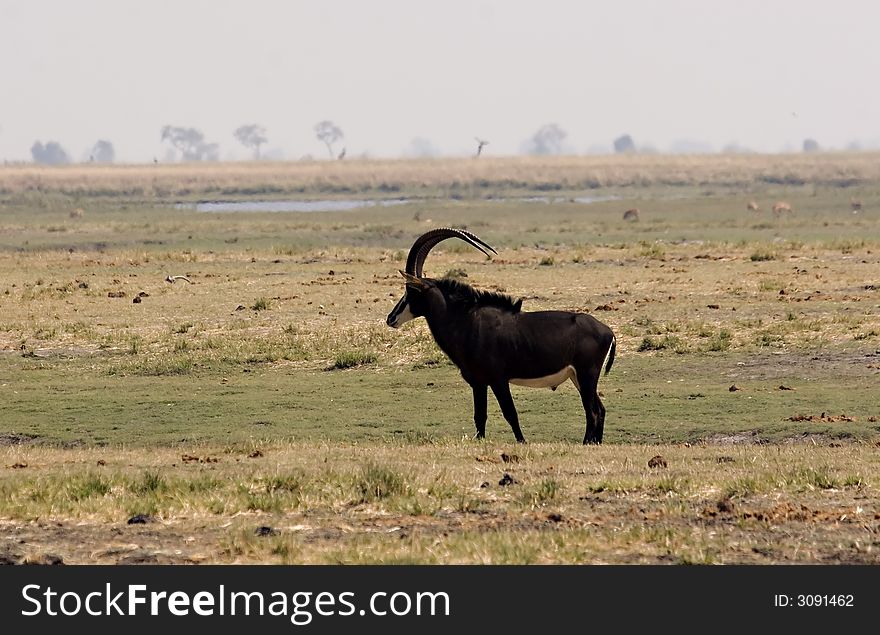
column 550, row 381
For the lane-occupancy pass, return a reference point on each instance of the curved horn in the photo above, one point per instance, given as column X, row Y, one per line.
column 427, row 241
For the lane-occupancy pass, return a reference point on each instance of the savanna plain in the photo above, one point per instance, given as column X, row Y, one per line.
column 190, row 386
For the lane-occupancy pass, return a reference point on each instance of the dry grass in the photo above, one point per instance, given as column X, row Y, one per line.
column 694, row 298
column 443, row 502
column 433, row 176
column 269, row 392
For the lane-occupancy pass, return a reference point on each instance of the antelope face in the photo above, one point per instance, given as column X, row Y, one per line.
column 401, row 313
column 413, row 304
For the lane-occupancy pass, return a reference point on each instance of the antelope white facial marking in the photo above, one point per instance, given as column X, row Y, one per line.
column 400, row 315
column 550, row 381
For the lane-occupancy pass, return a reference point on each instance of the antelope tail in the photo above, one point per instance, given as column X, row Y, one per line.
column 611, row 353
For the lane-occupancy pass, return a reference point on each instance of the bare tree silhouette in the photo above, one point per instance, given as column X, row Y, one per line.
column 191, row 144
column 328, row 133
column 624, row 144
column 103, row 152
column 547, row 140
column 251, row 136
column 421, row 147
column 50, row 154
column 480, row 144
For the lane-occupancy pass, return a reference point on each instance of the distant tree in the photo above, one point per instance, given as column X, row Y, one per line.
column 547, row 140
column 50, row 154
column 102, row 152
column 328, row 133
column 624, row 143
column 190, row 143
column 251, row 136
column 480, row 144
column 811, row 145
column 421, row 147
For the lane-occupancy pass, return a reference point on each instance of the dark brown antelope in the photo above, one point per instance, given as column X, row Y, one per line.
column 494, row 343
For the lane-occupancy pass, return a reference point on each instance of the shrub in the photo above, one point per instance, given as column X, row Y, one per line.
column 376, row 483
column 261, row 304
column 351, row 359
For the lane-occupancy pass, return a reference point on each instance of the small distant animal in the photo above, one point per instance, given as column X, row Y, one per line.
column 753, row 207
column 77, row 213
column 856, row 205
column 173, row 279
column 631, row 214
column 780, row 208
column 341, row 155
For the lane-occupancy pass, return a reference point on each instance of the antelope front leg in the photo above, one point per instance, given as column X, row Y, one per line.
column 480, row 399
column 505, row 400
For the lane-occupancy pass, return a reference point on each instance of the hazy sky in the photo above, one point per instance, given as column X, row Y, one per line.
column 763, row 74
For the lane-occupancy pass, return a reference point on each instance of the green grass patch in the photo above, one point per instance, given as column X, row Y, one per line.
column 667, row 342
column 376, row 483
column 763, row 255
column 261, row 304
column 353, row 359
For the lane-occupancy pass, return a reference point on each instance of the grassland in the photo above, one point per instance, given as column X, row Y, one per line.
column 267, row 392
column 445, row 178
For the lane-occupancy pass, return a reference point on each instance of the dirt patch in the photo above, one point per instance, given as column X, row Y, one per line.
column 82, row 543
column 9, row 555
column 824, row 418
column 788, row 512
column 17, row 438
column 829, row 440
column 785, row 364
column 736, row 438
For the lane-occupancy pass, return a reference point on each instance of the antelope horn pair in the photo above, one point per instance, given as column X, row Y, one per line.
column 427, row 241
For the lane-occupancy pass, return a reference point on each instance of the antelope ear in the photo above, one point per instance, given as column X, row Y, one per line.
column 413, row 280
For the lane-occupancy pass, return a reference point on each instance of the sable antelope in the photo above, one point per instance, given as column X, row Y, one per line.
column 781, row 207
column 753, row 206
column 494, row 343
column 631, row 214
column 856, row 205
